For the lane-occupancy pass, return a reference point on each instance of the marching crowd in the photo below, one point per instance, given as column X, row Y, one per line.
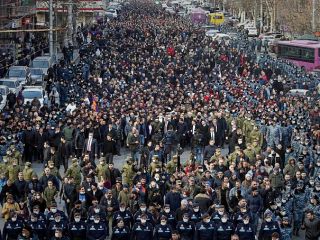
column 153, row 85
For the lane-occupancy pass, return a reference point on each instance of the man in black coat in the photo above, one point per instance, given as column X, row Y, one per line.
column 90, row 147
column 221, row 130
column 109, row 148
column 29, row 141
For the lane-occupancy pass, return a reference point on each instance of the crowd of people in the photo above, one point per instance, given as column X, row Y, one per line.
column 151, row 84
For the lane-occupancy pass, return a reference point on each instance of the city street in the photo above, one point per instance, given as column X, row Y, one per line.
column 231, row 89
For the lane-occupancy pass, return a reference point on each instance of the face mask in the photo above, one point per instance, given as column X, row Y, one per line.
column 283, row 201
column 77, row 219
column 224, row 220
column 166, row 210
column 96, row 221
column 220, row 212
column 157, row 179
column 57, row 220
column 143, row 209
column 56, row 235
column 38, row 197
column 245, row 221
column 101, row 163
column 185, row 219
column 53, row 210
column 33, row 220
column 122, row 209
column 268, row 219
column 279, row 204
column 96, row 210
column 82, row 192
column 207, row 220
column 163, row 223
column 36, row 211
column 143, row 220
column 196, row 210
column 287, row 151
column 14, row 219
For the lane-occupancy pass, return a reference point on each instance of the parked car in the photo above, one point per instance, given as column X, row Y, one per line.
column 22, row 73
column 112, row 13
column 13, row 84
column 31, row 92
column 37, row 76
column 43, row 62
column 212, row 33
column 4, row 91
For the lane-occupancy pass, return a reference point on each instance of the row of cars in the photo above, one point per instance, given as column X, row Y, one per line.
column 29, row 81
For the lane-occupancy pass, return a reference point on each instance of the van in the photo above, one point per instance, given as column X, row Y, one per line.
column 44, row 63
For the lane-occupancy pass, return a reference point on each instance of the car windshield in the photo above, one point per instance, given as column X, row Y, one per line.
column 17, row 73
column 40, row 64
column 36, row 71
column 32, row 94
column 9, row 84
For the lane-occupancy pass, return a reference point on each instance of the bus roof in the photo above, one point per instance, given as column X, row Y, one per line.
column 301, row 43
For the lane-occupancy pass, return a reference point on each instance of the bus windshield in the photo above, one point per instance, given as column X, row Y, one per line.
column 297, row 53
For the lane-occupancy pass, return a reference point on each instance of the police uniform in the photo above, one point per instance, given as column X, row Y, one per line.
column 97, row 231
column 245, row 231
column 12, row 229
column 267, row 228
column 286, row 232
column 142, row 231
column 39, row 228
column 299, row 201
column 205, row 231
column 186, row 230
column 50, row 216
column 224, row 230
column 119, row 233
column 77, row 230
column 162, row 232
column 137, row 216
column 170, row 218
column 126, row 216
column 56, row 225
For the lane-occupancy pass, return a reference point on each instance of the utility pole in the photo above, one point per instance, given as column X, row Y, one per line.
column 313, row 15
column 51, row 28
column 261, row 16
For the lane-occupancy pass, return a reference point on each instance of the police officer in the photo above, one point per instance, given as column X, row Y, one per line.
column 205, row 230
column 195, row 215
column 217, row 214
column 170, row 216
column 123, row 214
column 224, row 228
column 186, row 228
column 39, row 215
column 268, row 227
column 299, row 201
column 59, row 235
column 12, row 228
column 57, row 223
column 142, row 229
column 120, row 231
column 143, row 210
column 53, row 211
column 163, row 231
column 286, row 229
column 77, row 228
column 38, row 226
column 27, row 234
column 245, row 230
column 97, row 229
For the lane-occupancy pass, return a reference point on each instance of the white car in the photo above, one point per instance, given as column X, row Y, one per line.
column 4, row 91
column 13, row 84
column 113, row 13
column 221, row 36
column 212, row 33
column 31, row 92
